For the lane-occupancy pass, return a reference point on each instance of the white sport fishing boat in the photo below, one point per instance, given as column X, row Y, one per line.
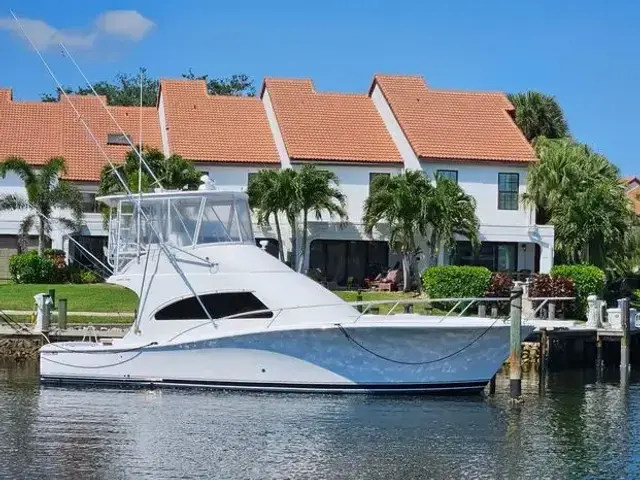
column 217, row 311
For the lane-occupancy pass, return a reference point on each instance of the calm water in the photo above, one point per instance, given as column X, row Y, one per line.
column 573, row 427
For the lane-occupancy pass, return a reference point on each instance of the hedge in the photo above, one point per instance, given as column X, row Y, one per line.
column 452, row 281
column 587, row 279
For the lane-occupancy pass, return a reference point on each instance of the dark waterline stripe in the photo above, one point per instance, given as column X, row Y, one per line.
column 445, row 387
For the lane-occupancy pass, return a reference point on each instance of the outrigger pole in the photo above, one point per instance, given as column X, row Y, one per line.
column 128, row 192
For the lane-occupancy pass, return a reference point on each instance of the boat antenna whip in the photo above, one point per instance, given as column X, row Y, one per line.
column 130, row 195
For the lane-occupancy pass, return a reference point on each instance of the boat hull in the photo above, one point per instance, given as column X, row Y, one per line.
column 345, row 359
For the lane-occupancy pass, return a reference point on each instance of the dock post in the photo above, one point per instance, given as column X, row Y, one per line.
column 552, row 310
column 359, row 299
column 482, row 310
column 599, row 361
column 46, row 314
column 408, row 308
column 494, row 311
column 625, row 340
column 62, row 313
column 52, row 295
column 544, row 350
column 515, row 350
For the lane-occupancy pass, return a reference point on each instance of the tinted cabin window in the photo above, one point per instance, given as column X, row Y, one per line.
column 219, row 305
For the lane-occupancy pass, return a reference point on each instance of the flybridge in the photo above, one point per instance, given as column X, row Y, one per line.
column 179, row 219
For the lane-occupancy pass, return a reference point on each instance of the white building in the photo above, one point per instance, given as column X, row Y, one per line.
column 399, row 124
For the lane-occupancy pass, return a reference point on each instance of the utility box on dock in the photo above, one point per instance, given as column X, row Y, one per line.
column 614, row 317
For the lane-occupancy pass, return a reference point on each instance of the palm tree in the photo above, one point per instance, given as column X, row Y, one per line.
column 399, row 201
column 319, row 192
column 45, row 193
column 174, row 173
column 449, row 212
column 578, row 191
column 266, row 200
column 538, row 115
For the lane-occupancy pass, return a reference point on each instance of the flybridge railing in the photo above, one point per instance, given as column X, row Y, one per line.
column 468, row 301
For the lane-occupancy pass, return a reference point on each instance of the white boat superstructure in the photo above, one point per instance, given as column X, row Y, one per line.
column 217, row 311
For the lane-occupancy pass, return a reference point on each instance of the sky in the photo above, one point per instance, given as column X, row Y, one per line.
column 585, row 53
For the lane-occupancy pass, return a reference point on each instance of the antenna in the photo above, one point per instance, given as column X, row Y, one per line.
column 139, row 173
column 130, row 195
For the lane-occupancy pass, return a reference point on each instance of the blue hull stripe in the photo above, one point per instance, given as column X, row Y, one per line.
column 457, row 387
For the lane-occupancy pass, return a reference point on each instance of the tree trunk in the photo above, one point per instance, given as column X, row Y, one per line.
column 279, row 235
column 406, row 261
column 41, row 229
column 294, row 244
column 303, row 250
column 433, row 253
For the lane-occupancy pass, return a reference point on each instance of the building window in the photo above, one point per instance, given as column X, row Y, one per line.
column 497, row 257
column 348, row 262
column 450, row 174
column 219, row 305
column 89, row 204
column 374, row 175
column 508, row 186
column 119, row 139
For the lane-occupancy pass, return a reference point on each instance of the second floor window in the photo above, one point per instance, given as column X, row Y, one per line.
column 508, row 191
column 450, row 174
column 89, row 204
column 374, row 175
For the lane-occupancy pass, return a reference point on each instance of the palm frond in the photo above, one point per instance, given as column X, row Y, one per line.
column 13, row 201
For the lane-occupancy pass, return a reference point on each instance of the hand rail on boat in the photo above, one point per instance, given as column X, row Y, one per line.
column 458, row 301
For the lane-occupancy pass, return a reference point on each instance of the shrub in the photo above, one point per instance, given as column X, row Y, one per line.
column 500, row 286
column 89, row 277
column 456, row 282
column 29, row 267
column 545, row 285
column 60, row 269
column 587, row 280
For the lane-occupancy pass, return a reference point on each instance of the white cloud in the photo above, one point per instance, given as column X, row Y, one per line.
column 126, row 24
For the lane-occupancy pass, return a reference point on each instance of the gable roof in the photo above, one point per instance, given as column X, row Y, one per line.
column 446, row 124
column 38, row 131
column 329, row 126
column 217, row 128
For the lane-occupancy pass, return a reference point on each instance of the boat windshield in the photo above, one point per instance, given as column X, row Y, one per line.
column 183, row 221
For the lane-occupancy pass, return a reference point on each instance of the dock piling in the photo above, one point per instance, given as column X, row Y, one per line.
column 482, row 310
column 515, row 350
column 46, row 315
column 544, row 350
column 599, row 358
column 625, row 340
column 62, row 313
column 359, row 299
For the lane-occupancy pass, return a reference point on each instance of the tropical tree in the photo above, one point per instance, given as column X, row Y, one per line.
column 538, row 115
column 45, row 194
column 400, row 202
column 173, row 173
column 318, row 192
column 449, row 211
column 578, row 191
column 124, row 90
column 266, row 200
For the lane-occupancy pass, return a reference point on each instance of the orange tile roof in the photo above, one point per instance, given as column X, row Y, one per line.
column 634, row 194
column 443, row 124
column 329, row 126
column 38, row 131
column 218, row 128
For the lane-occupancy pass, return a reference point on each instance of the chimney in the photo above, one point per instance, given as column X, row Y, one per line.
column 6, row 95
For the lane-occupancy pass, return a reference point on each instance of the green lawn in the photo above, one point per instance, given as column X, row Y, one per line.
column 80, row 298
column 111, row 298
column 352, row 296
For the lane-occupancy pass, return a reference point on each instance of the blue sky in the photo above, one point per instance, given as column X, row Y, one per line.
column 586, row 53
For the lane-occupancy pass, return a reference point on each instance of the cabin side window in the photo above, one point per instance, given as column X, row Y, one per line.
column 219, row 305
